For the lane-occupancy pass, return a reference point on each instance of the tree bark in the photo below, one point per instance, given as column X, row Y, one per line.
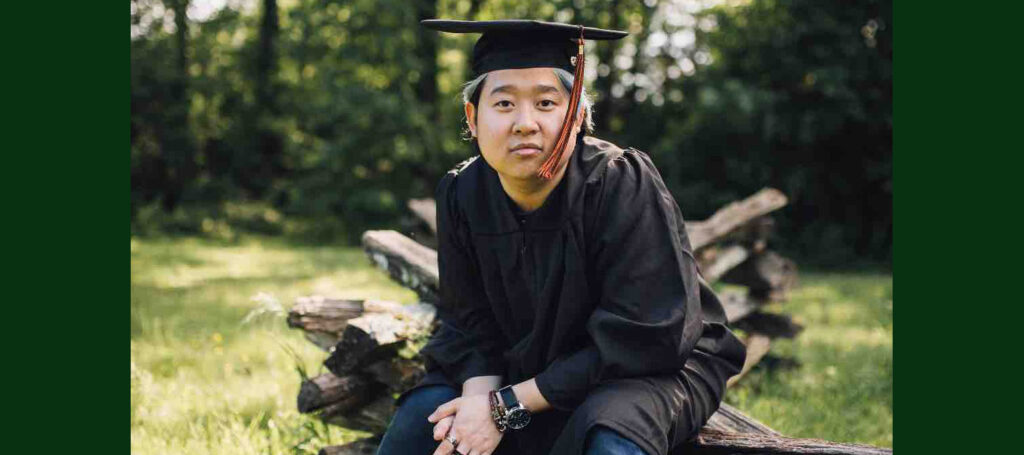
column 411, row 264
column 342, row 392
column 733, row 216
column 372, row 337
column 720, row 442
column 323, row 320
column 724, row 260
column 768, row 275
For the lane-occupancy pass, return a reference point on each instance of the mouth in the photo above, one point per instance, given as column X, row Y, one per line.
column 526, row 149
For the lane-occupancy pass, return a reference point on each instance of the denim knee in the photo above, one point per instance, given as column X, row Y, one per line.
column 602, row 440
column 409, row 432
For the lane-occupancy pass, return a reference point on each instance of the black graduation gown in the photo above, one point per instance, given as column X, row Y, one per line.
column 595, row 293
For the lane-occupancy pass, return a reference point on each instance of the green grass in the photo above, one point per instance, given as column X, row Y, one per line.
column 204, row 382
column 201, row 381
column 842, row 388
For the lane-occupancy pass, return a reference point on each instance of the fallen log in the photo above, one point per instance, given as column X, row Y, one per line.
column 373, row 416
column 398, row 373
column 344, row 392
column 411, row 264
column 722, row 261
column 738, row 305
column 372, row 337
column 720, row 442
column 732, row 216
column 324, row 319
column 767, row 275
column 773, row 325
column 728, row 418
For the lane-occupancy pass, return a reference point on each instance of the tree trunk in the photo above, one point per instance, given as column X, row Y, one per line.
column 604, row 110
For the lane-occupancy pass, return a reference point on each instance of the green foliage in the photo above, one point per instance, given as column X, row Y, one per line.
column 345, row 110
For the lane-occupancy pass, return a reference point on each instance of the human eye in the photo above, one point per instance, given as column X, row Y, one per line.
column 547, row 103
column 503, row 104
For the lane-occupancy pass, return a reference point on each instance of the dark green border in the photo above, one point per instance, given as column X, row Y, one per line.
column 957, row 194
column 65, row 182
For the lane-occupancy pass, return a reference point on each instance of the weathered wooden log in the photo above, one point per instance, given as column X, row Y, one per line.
column 373, row 416
column 371, row 337
column 728, row 418
column 723, row 260
column 398, row 373
column 321, row 319
column 324, row 320
column 732, row 216
column 738, row 305
column 767, row 275
column 773, row 325
column 758, row 345
column 411, row 264
column 346, row 392
column 721, row 442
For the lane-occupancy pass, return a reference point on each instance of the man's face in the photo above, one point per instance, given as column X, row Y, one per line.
column 518, row 118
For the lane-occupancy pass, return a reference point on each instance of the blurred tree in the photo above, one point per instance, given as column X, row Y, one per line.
column 345, row 109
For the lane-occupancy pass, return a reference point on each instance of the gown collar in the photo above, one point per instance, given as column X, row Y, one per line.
column 495, row 213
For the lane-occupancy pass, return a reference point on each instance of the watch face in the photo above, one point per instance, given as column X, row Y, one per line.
column 518, row 418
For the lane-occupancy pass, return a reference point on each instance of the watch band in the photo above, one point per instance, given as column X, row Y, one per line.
column 508, row 397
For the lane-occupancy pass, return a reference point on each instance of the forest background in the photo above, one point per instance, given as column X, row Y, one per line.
column 314, row 120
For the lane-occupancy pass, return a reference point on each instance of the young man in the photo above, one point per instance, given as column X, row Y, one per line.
column 573, row 318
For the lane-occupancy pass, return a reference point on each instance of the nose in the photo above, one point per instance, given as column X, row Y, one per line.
column 525, row 124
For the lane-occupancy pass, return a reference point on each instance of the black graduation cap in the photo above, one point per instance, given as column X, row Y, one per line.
column 517, row 43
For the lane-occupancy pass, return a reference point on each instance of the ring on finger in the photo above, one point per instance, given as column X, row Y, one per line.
column 452, row 440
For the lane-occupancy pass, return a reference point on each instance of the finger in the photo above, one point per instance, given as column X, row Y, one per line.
column 444, row 410
column 444, row 448
column 463, row 448
column 442, row 427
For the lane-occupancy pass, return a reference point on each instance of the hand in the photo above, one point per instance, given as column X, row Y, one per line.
column 442, row 427
column 472, row 426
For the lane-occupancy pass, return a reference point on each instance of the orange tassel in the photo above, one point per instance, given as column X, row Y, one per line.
column 547, row 170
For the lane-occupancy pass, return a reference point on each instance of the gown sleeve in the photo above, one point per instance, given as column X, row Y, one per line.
column 648, row 318
column 468, row 342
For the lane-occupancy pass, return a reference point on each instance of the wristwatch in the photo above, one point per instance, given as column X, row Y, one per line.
column 516, row 414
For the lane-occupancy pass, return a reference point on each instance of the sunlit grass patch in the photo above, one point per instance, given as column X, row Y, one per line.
column 204, row 383
column 842, row 388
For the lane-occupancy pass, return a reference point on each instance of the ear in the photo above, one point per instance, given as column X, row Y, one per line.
column 578, row 126
column 471, row 118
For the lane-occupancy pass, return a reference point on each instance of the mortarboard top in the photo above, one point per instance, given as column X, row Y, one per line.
column 516, row 44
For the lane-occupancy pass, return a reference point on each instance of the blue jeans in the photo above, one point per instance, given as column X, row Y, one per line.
column 409, row 432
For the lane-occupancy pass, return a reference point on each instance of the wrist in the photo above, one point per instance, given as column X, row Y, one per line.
column 517, row 414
